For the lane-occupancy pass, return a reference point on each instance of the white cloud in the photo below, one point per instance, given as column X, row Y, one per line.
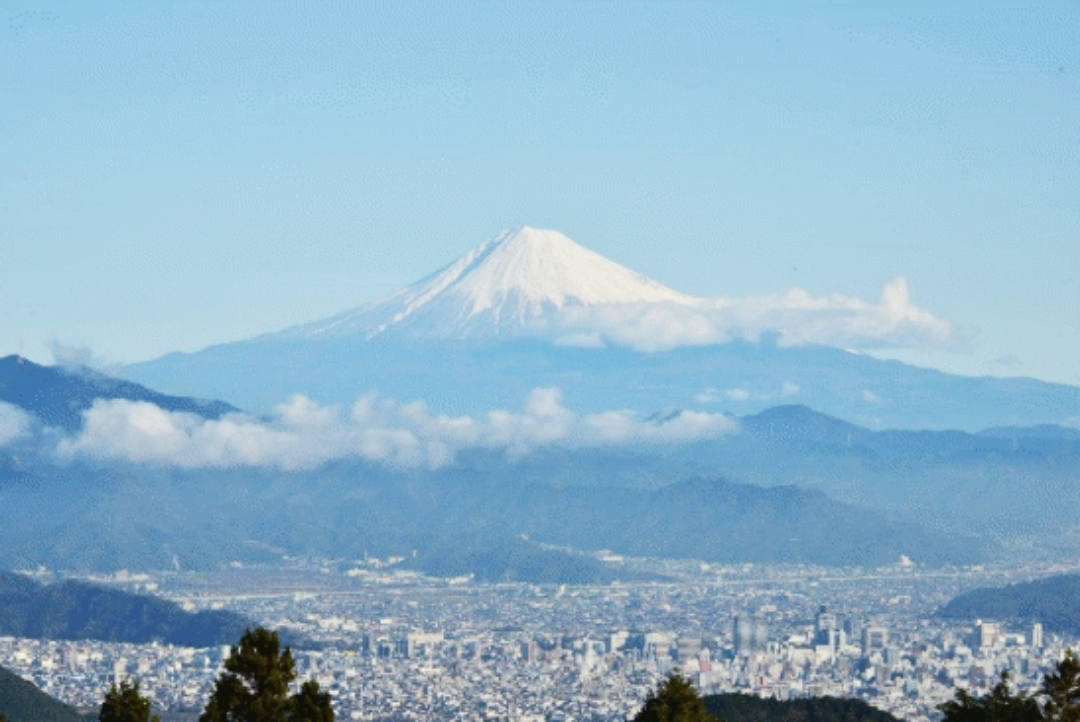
column 303, row 434
column 708, row 396
column 78, row 357
column 711, row 395
column 14, row 423
column 796, row 317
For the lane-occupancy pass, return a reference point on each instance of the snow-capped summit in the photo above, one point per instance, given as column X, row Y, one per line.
column 506, row 286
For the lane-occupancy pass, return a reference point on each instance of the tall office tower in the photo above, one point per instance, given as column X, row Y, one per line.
column 751, row 634
column 617, row 640
column 688, row 648
column 761, row 634
column 827, row 631
column 875, row 638
column 986, row 634
column 1036, row 636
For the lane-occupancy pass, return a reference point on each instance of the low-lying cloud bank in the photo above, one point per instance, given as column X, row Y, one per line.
column 14, row 423
column 303, row 435
column 796, row 317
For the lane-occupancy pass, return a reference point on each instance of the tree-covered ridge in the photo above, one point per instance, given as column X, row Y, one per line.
column 748, row 708
column 1050, row 601
column 21, row 701
column 677, row 700
column 75, row 610
column 57, row 396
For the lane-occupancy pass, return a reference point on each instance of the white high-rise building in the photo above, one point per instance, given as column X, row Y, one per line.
column 986, row 634
column 751, row 634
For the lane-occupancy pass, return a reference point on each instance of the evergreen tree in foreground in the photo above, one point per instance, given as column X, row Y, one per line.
column 1001, row 705
column 255, row 686
column 1060, row 693
column 125, row 704
column 675, row 700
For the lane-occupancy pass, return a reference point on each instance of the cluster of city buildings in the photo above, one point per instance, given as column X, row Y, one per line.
column 405, row 647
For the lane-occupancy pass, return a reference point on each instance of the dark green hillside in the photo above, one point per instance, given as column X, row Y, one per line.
column 21, row 701
column 747, row 708
column 1054, row 601
column 74, row 610
column 57, row 396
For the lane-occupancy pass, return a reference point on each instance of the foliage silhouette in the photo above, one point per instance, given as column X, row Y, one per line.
column 125, row 704
column 1062, row 691
column 1000, row 705
column 255, row 686
column 751, row 708
column 675, row 700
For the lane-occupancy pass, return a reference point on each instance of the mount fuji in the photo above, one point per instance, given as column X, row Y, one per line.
column 531, row 308
column 514, row 285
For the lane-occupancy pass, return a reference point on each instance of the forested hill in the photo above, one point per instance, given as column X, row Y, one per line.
column 747, row 708
column 1051, row 601
column 75, row 610
column 57, row 396
column 21, row 701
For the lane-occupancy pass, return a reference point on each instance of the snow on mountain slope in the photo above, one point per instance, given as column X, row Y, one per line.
column 540, row 284
column 504, row 287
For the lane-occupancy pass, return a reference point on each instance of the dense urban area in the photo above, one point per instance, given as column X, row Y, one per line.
column 394, row 644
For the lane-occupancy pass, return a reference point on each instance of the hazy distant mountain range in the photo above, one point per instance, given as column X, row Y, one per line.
column 790, row 485
column 532, row 308
column 724, row 443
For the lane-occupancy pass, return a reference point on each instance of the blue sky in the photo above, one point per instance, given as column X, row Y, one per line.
column 174, row 175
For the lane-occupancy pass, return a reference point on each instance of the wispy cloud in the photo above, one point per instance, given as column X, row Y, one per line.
column 14, row 423
column 796, row 317
column 302, row 434
column 75, row 358
column 712, row 395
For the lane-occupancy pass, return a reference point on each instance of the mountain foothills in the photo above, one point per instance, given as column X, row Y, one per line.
column 57, row 396
column 787, row 485
column 1051, row 602
column 77, row 610
column 532, row 308
column 22, row 701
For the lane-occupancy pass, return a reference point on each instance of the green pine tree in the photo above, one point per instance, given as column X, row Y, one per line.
column 1062, row 691
column 311, row 705
column 675, row 700
column 255, row 686
column 1000, row 705
column 125, row 704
